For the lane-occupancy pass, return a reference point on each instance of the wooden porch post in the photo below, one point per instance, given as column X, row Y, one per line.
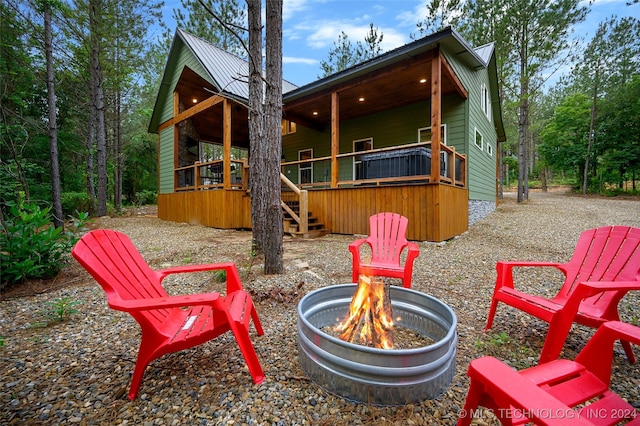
column 226, row 144
column 335, row 138
column 436, row 114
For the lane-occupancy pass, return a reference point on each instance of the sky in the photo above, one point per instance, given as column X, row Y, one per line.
column 310, row 27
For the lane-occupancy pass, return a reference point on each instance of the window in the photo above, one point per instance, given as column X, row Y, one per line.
column 485, row 101
column 490, row 149
column 360, row 145
column 424, row 134
column 305, row 170
column 479, row 143
column 288, row 127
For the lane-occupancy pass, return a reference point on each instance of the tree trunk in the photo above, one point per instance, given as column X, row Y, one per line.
column 272, row 243
column 585, row 177
column 523, row 120
column 95, row 9
column 56, row 197
column 256, row 126
column 117, row 152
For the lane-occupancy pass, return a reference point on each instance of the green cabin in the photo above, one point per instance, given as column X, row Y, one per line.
column 353, row 144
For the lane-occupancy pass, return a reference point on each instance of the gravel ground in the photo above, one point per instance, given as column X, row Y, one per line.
column 78, row 371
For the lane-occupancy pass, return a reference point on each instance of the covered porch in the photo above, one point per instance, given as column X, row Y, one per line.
column 211, row 145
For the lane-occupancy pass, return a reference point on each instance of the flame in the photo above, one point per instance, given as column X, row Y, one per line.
column 371, row 311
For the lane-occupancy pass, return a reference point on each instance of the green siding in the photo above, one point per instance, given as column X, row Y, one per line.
column 166, row 161
column 184, row 59
column 397, row 126
column 481, row 166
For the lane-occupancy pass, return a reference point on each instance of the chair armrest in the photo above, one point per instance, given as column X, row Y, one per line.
column 164, row 302
column 355, row 245
column 506, row 386
column 505, row 270
column 233, row 277
column 162, row 273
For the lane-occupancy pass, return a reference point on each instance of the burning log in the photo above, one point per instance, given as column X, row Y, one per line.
column 369, row 321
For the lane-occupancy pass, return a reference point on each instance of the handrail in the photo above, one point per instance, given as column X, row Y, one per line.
column 449, row 151
column 303, row 203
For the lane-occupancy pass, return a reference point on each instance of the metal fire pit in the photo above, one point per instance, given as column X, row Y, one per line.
column 371, row 375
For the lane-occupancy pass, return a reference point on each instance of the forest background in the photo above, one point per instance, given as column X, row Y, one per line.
column 104, row 60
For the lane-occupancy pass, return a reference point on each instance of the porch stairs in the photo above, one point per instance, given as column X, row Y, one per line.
column 291, row 226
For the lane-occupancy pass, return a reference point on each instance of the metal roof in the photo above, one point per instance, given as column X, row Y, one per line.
column 229, row 72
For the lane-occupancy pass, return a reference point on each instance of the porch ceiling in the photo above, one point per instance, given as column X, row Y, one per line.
column 405, row 82
column 209, row 122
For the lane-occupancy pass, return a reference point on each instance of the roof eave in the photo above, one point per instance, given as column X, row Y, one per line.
column 447, row 37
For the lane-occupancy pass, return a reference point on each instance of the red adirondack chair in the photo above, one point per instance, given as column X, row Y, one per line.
column 604, row 267
column 387, row 239
column 168, row 323
column 554, row 393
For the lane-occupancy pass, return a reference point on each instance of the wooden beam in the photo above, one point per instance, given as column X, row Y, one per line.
column 207, row 103
column 226, row 144
column 456, row 81
column 436, row 114
column 176, row 103
column 335, row 138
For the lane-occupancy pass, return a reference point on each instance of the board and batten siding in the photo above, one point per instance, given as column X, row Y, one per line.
column 481, row 165
column 166, row 162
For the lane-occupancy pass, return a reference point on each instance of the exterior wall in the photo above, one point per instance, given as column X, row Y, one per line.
column 184, row 59
column 481, row 165
column 166, row 149
column 166, row 161
column 398, row 126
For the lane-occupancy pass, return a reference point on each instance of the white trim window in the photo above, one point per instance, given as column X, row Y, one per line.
column 360, row 145
column 424, row 134
column 485, row 101
column 478, row 141
column 305, row 170
column 490, row 149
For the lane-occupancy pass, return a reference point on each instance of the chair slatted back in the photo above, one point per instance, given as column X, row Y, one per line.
column 119, row 268
column 387, row 237
column 610, row 253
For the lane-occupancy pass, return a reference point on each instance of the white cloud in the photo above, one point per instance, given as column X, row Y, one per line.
column 291, row 7
column 295, row 60
column 326, row 33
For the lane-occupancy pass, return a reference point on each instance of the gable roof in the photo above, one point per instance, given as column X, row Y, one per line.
column 227, row 72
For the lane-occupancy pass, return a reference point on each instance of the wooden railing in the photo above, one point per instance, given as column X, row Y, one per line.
column 209, row 175
column 302, row 219
column 455, row 172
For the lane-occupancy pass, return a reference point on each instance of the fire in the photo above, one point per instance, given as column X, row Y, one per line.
column 369, row 320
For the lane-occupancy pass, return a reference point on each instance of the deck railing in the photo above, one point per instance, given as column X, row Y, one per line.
column 209, row 175
column 453, row 171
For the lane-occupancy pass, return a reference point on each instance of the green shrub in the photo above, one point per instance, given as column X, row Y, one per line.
column 30, row 246
column 76, row 202
column 146, row 197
